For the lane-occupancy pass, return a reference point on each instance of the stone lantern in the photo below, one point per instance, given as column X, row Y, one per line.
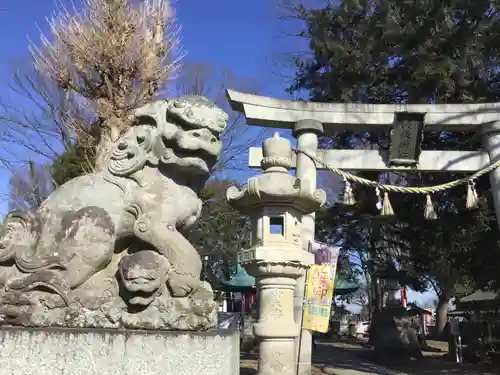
column 276, row 201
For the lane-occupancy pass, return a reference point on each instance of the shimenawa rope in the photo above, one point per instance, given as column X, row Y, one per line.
column 385, row 205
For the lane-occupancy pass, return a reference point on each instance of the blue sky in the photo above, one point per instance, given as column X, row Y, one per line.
column 238, row 34
column 244, row 36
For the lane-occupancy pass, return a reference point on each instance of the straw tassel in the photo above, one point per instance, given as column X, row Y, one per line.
column 472, row 198
column 349, row 199
column 386, row 206
column 430, row 212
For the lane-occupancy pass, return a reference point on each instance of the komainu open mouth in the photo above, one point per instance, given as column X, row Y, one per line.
column 185, row 156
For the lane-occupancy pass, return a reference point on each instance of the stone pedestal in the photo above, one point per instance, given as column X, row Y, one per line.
column 248, row 342
column 276, row 329
column 113, row 352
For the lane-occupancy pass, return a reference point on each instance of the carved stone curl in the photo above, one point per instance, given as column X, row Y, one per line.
column 104, row 249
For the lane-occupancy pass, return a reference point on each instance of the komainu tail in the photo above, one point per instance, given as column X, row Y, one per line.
column 47, row 279
column 36, row 265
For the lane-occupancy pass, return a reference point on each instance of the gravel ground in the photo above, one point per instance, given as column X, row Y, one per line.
column 330, row 360
column 352, row 358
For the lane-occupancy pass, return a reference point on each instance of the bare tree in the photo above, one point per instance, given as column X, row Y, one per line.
column 211, row 81
column 37, row 116
column 29, row 186
column 111, row 57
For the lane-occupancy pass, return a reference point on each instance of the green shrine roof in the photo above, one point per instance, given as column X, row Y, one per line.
column 343, row 286
column 242, row 280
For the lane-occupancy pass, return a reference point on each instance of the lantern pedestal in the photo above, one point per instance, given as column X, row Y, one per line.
column 276, row 329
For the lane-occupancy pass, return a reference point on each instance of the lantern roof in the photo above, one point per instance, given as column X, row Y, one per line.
column 276, row 186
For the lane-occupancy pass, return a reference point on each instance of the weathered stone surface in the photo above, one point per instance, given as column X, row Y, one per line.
column 248, row 341
column 394, row 337
column 104, row 249
column 116, row 352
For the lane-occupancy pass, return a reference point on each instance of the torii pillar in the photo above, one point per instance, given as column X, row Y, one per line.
column 491, row 141
column 306, row 132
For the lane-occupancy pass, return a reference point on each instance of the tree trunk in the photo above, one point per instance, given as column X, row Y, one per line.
column 423, row 328
column 104, row 151
column 108, row 140
column 441, row 314
column 376, row 308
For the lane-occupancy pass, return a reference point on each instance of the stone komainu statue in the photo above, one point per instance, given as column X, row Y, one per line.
column 104, row 249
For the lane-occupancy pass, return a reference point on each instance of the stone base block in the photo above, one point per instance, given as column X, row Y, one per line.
column 114, row 352
column 249, row 342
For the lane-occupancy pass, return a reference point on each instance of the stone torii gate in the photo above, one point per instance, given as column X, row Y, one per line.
column 309, row 120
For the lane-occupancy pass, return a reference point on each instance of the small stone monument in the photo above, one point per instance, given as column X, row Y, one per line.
column 102, row 259
column 276, row 201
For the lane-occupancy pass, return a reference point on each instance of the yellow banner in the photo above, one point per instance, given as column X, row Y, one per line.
column 318, row 301
column 319, row 289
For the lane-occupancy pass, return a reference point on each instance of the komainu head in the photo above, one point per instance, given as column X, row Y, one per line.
column 188, row 131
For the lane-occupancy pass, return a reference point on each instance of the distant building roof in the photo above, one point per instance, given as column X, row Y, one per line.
column 480, row 295
column 241, row 280
column 458, row 313
column 418, row 309
column 480, row 299
column 343, row 286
